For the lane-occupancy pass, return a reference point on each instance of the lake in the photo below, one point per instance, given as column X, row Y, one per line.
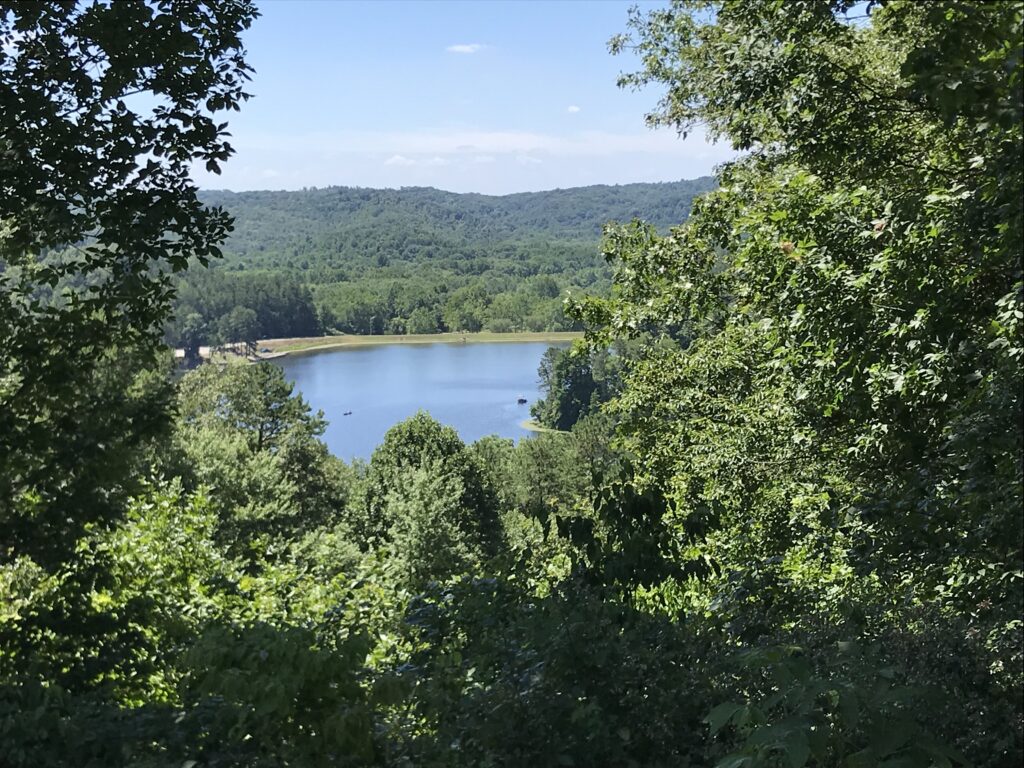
column 472, row 387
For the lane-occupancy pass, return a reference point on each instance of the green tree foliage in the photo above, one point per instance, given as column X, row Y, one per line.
column 105, row 108
column 242, row 307
column 576, row 678
column 298, row 699
column 545, row 474
column 429, row 537
column 193, row 331
column 397, row 479
column 104, row 579
column 782, row 527
column 341, row 221
column 240, row 325
column 243, row 432
column 574, row 382
column 200, row 660
column 847, row 416
column 414, row 260
column 97, row 210
column 255, row 401
column 161, row 567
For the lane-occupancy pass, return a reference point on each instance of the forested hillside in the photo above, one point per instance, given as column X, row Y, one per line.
column 338, row 224
column 374, row 261
column 777, row 522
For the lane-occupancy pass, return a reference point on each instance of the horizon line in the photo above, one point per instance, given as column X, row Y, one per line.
column 315, row 188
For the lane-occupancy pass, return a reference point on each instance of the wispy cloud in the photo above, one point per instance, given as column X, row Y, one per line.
column 412, row 147
column 466, row 48
column 573, row 109
column 406, row 162
column 466, row 160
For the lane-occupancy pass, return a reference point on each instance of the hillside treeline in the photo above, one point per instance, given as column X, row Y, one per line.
column 777, row 521
column 413, row 260
column 217, row 307
column 416, row 223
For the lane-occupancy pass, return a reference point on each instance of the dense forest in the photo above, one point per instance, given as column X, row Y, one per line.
column 777, row 521
column 373, row 261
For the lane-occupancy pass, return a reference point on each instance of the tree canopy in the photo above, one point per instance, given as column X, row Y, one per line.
column 373, row 261
column 105, row 108
column 779, row 523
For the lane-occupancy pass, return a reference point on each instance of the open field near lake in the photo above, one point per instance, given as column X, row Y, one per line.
column 531, row 425
column 315, row 343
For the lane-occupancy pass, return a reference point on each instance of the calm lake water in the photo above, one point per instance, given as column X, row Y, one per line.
column 472, row 387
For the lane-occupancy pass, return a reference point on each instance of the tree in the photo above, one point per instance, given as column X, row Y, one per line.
column 106, row 106
column 97, row 209
column 567, row 385
column 428, row 537
column 254, row 400
column 409, row 446
column 422, row 320
column 574, row 382
column 193, row 332
column 282, row 305
column 325, row 318
column 245, row 433
column 465, row 309
column 240, row 325
column 841, row 436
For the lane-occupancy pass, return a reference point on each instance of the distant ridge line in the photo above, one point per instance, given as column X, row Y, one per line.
column 417, row 188
column 344, row 219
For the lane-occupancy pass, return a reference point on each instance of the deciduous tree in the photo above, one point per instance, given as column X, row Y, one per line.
column 105, row 107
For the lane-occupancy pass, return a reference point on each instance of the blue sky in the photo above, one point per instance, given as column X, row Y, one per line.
column 488, row 96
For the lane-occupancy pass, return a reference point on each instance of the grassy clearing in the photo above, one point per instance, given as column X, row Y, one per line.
column 317, row 343
column 532, row 426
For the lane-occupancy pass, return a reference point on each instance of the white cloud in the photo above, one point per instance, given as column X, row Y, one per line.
column 483, row 159
column 528, row 160
column 269, row 173
column 573, row 109
column 435, row 161
column 465, row 48
column 399, row 160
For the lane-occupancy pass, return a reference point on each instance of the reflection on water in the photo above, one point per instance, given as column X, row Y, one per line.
column 472, row 387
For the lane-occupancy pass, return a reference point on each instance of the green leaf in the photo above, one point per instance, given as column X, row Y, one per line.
column 797, row 749
column 849, row 709
column 719, row 717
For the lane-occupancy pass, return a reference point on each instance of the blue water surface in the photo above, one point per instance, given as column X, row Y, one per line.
column 473, row 387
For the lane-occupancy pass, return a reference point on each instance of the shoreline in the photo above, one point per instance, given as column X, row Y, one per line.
column 281, row 347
